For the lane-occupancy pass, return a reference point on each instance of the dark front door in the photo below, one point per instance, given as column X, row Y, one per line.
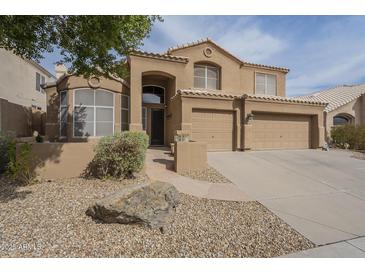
column 157, row 126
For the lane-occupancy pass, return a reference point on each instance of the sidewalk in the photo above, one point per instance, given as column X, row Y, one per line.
column 159, row 167
column 354, row 248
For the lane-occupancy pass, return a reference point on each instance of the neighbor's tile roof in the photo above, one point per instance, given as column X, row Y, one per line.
column 168, row 57
column 336, row 97
column 243, row 63
column 220, row 94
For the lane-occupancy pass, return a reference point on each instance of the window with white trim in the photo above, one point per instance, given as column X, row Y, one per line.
column 125, row 113
column 93, row 113
column 63, row 113
column 39, row 81
column 265, row 84
column 206, row 77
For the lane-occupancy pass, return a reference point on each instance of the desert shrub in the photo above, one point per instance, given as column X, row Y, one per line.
column 353, row 136
column 18, row 167
column 118, row 156
column 6, row 142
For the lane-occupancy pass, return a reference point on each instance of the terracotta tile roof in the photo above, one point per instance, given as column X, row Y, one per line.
column 207, row 92
column 286, row 70
column 284, row 99
column 220, row 94
column 208, row 40
column 336, row 97
column 168, row 57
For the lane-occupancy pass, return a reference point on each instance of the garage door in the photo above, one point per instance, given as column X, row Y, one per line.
column 275, row 131
column 215, row 127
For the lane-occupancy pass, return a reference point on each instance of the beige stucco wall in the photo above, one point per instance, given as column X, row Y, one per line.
column 355, row 108
column 18, row 81
column 61, row 160
column 190, row 156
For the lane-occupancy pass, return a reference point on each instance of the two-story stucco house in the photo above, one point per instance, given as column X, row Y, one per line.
column 198, row 89
column 21, row 81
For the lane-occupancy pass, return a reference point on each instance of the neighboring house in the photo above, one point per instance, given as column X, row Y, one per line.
column 346, row 105
column 21, row 80
column 198, row 89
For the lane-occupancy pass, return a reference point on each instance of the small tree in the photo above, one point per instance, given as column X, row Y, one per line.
column 92, row 45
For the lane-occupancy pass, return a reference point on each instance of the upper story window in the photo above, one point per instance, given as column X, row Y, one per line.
column 206, row 76
column 265, row 84
column 39, row 80
column 93, row 113
column 153, row 95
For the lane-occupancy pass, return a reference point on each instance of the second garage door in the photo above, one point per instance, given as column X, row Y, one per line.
column 276, row 131
column 214, row 127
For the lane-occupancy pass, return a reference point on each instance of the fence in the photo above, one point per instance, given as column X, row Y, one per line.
column 20, row 121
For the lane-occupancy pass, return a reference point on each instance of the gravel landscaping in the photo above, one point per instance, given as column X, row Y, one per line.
column 210, row 175
column 48, row 220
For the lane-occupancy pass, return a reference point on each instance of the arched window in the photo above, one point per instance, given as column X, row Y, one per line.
column 93, row 113
column 206, row 76
column 153, row 95
column 341, row 120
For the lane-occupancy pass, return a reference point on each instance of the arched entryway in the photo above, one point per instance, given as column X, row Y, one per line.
column 157, row 88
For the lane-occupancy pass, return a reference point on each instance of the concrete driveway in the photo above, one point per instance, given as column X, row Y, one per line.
column 320, row 194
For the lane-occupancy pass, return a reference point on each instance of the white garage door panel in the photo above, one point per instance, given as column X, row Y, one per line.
column 275, row 131
column 214, row 127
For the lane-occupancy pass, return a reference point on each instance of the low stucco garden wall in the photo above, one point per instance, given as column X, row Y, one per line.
column 61, row 160
column 190, row 156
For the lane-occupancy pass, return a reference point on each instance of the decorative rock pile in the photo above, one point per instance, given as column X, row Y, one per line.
column 150, row 204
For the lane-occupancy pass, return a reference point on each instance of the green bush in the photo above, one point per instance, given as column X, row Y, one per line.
column 353, row 136
column 118, row 156
column 19, row 163
column 6, row 143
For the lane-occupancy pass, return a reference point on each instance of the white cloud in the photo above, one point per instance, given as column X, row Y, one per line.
column 337, row 58
column 238, row 34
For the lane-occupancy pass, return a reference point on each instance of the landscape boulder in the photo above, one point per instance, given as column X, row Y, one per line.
column 150, row 204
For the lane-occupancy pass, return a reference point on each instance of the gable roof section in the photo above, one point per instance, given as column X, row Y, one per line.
column 241, row 62
column 336, row 97
column 202, row 41
column 166, row 57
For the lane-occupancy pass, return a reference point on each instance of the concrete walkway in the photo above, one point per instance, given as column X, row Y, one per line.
column 354, row 248
column 159, row 167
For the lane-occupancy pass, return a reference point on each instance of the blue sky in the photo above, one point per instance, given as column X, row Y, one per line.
column 320, row 51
